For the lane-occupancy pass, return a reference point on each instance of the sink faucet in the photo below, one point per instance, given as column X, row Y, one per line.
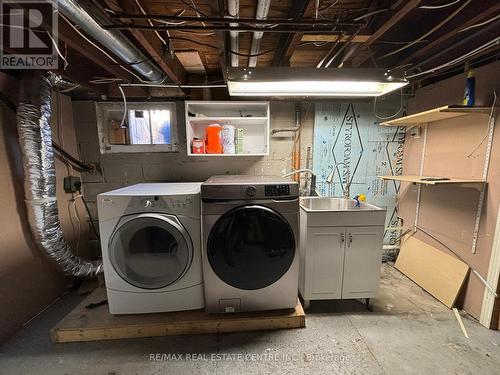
column 312, row 188
column 347, row 187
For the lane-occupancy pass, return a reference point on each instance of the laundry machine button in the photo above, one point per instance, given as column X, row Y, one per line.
column 251, row 191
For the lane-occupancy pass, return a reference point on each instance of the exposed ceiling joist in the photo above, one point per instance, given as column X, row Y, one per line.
column 288, row 42
column 393, row 20
column 155, row 48
column 191, row 61
column 489, row 12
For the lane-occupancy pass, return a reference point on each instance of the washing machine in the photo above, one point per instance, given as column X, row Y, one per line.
column 249, row 243
column 151, row 249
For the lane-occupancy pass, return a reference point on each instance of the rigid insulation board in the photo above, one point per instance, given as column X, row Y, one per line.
column 440, row 274
column 348, row 132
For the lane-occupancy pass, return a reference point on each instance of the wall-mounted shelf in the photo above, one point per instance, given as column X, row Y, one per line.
column 437, row 180
column 436, row 114
column 252, row 117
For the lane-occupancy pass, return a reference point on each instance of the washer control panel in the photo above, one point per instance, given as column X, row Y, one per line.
column 276, row 190
column 156, row 202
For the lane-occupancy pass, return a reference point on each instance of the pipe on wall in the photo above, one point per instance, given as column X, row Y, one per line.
column 35, row 140
column 261, row 14
column 114, row 40
column 233, row 8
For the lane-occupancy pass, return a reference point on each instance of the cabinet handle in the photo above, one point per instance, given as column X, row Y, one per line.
column 342, row 239
column 350, row 240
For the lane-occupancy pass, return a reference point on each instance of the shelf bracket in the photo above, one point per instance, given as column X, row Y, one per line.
column 486, row 167
column 419, row 189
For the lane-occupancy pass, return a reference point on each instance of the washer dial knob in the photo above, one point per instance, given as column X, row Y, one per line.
column 251, row 191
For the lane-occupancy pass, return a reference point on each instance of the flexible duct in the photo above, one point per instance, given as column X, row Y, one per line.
column 114, row 40
column 35, row 139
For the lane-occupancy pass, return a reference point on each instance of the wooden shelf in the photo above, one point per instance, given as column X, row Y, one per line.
column 436, row 114
column 477, row 184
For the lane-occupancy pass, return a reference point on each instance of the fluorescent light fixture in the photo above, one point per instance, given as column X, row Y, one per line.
column 283, row 81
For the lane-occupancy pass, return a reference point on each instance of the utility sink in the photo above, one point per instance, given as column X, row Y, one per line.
column 332, row 211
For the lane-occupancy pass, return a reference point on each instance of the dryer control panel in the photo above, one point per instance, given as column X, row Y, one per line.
column 277, row 190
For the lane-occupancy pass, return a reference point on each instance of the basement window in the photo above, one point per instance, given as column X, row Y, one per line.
column 148, row 127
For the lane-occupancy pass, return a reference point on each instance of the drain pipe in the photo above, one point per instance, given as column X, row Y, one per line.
column 35, row 140
column 114, row 40
column 233, row 8
column 261, row 14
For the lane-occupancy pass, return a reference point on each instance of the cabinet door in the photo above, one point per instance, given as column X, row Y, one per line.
column 326, row 247
column 363, row 259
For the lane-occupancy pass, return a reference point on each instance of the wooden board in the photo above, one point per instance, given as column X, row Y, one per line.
column 97, row 324
column 421, row 180
column 440, row 274
column 435, row 114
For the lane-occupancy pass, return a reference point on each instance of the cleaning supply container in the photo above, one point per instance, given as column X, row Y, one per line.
column 213, row 139
column 228, row 145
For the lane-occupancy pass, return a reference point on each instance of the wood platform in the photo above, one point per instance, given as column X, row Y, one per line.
column 97, row 324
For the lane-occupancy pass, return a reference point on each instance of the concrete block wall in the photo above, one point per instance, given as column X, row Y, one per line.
column 117, row 170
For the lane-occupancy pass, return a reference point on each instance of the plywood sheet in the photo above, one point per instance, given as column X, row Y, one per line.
column 440, row 274
column 97, row 324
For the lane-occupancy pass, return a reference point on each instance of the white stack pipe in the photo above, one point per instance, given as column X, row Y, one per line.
column 261, row 14
column 233, row 8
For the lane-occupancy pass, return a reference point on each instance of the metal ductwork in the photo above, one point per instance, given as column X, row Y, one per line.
column 261, row 14
column 35, row 140
column 114, row 40
column 233, row 8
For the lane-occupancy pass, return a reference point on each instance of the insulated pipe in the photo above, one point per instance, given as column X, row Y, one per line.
column 113, row 40
column 35, row 141
column 233, row 8
column 261, row 14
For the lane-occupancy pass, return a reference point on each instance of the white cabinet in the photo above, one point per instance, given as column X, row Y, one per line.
column 252, row 117
column 339, row 262
column 362, row 260
column 326, row 250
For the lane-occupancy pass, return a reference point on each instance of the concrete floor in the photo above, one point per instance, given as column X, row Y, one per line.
column 408, row 332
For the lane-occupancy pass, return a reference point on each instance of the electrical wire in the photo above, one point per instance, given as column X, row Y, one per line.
column 489, row 120
column 438, row 26
column 439, row 6
column 391, row 116
column 124, row 106
column 99, row 48
column 372, row 13
column 89, row 215
column 475, row 51
column 77, row 217
column 480, row 24
column 143, row 11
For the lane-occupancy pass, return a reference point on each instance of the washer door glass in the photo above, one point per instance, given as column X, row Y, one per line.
column 150, row 251
column 251, row 247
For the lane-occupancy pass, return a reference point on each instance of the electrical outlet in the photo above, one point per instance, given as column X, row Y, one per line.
column 72, row 184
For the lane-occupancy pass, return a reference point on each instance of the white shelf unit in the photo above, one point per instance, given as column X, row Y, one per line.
column 252, row 117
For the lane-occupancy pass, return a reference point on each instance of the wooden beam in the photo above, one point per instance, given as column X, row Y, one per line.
column 333, row 38
column 491, row 11
column 393, row 20
column 289, row 41
column 154, row 46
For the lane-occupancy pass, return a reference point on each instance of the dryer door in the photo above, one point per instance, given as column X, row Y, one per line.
column 251, row 247
column 150, row 251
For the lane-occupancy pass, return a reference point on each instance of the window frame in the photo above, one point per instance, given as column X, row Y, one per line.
column 114, row 110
